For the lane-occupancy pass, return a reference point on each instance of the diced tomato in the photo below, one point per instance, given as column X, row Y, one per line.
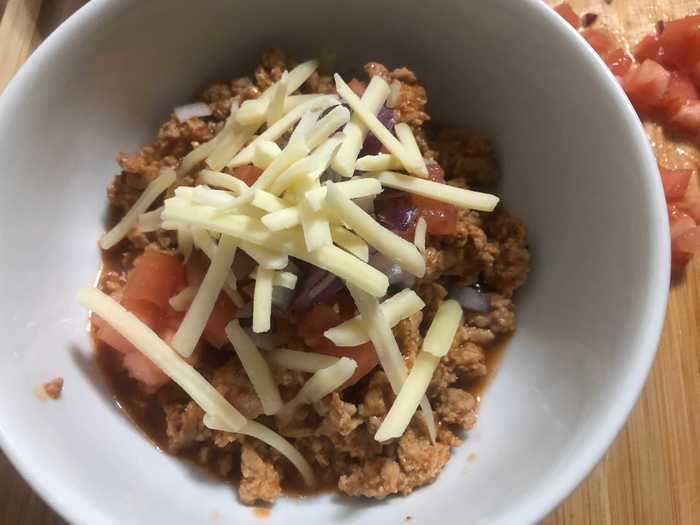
column 224, row 312
column 248, row 174
column 598, row 40
column 618, row 61
column 688, row 241
column 144, row 310
column 680, row 41
column 679, row 259
column 646, row 85
column 680, row 90
column 441, row 218
column 316, row 321
column 142, row 369
column 567, row 13
column 319, row 319
column 675, row 183
column 688, row 116
column 649, row 48
column 680, row 221
column 196, row 268
column 692, row 207
column 156, row 277
column 364, row 355
column 357, row 86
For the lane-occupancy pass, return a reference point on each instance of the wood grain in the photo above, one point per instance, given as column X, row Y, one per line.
column 651, row 475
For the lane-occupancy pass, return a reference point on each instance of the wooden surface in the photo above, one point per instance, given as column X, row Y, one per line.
column 651, row 475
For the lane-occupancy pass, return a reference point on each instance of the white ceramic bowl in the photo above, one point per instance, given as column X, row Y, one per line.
column 576, row 167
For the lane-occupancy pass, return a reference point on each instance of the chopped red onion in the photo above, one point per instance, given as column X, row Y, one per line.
column 318, row 286
column 266, row 341
column 245, row 312
column 372, row 145
column 395, row 214
column 330, row 175
column 471, row 299
column 396, row 275
column 188, row 111
column 281, row 297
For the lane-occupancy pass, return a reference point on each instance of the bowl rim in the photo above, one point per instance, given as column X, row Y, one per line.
column 548, row 492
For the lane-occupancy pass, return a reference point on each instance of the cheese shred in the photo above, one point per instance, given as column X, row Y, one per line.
column 256, row 368
column 161, row 183
column 196, row 318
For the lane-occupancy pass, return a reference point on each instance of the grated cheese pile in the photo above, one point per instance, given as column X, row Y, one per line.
column 290, row 211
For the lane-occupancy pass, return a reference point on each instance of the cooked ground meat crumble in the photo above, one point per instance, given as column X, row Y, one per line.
column 489, row 250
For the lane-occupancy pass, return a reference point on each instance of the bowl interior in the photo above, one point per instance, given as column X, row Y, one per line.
column 575, row 168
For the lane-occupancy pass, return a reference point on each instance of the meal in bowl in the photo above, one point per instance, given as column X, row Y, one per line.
column 300, row 285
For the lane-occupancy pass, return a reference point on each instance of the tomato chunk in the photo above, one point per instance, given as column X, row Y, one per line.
column 680, row 41
column 680, row 91
column 675, row 183
column 692, row 207
column 364, row 355
column 440, row 217
column 567, row 13
column 649, row 48
column 688, row 241
column 224, row 312
column 598, row 40
column 357, row 86
column 680, row 221
column 618, row 62
column 319, row 319
column 146, row 311
column 248, row 174
column 142, row 369
column 688, row 116
column 646, row 85
column 156, row 277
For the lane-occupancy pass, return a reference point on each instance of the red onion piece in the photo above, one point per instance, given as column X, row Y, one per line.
column 188, row 111
column 317, row 286
column 471, row 299
column 366, row 203
column 243, row 265
column 396, row 275
column 372, row 145
column 394, row 213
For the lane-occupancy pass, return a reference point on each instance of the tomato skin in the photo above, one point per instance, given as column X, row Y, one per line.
column 440, row 217
column 224, row 312
column 155, row 277
column 565, row 11
column 364, row 355
column 598, row 40
column 649, row 48
column 618, row 62
column 680, row 41
column 680, row 91
column 675, row 183
column 646, row 85
column 248, row 174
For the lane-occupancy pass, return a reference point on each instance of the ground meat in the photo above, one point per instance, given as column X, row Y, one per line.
column 184, row 425
column 336, row 434
column 466, row 155
column 260, row 480
column 458, row 407
column 377, row 478
column 54, row 388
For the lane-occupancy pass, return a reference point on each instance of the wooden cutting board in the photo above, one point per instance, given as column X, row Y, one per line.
column 651, row 475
